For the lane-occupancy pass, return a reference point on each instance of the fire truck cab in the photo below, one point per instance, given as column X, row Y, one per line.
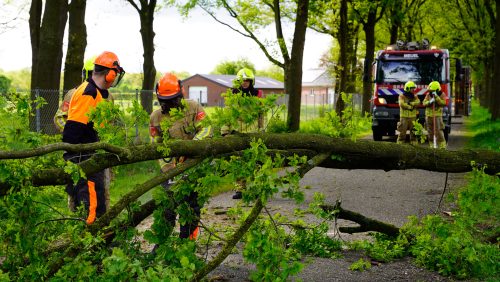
column 396, row 65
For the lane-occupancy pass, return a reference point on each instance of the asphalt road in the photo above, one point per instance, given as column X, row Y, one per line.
column 387, row 196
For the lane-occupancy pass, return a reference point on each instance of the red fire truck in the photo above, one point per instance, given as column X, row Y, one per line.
column 398, row 64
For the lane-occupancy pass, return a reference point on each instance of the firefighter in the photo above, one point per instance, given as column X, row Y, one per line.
column 170, row 95
column 408, row 103
column 434, row 102
column 61, row 117
column 244, row 84
column 107, row 73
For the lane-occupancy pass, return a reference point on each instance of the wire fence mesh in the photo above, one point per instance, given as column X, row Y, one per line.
column 43, row 119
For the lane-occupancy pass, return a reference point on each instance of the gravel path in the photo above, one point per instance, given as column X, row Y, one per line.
column 387, row 196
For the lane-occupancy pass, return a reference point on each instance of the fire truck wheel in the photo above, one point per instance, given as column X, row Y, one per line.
column 377, row 135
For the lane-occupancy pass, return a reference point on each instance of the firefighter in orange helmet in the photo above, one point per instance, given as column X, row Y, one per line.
column 170, row 95
column 78, row 129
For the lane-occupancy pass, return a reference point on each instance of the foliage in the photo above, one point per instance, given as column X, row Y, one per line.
column 384, row 248
column 272, row 71
column 350, row 125
column 241, row 112
column 232, row 67
column 360, row 265
column 485, row 131
column 265, row 247
column 20, row 79
column 4, row 84
column 418, row 129
column 315, row 242
column 459, row 246
column 115, row 125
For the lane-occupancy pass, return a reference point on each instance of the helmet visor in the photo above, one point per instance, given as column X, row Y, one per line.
column 120, row 72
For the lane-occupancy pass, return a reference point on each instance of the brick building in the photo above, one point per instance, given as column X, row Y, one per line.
column 207, row 88
column 317, row 87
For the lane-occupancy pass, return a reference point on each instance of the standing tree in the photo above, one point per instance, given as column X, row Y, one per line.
column 342, row 66
column 473, row 39
column 368, row 14
column 495, row 105
column 332, row 18
column 232, row 67
column 46, row 42
column 77, row 42
column 255, row 16
column 146, row 13
column 34, row 23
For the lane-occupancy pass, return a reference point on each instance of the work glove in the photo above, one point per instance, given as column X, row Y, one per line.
column 432, row 100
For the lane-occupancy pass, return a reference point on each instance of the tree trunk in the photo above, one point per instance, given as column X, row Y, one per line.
column 34, row 24
column 49, row 61
column 352, row 58
column 147, row 33
column 362, row 154
column 369, row 29
column 495, row 101
column 396, row 19
column 485, row 89
column 293, row 82
column 77, row 42
column 342, row 66
column 365, row 223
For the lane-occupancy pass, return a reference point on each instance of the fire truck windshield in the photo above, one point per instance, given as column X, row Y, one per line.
column 421, row 71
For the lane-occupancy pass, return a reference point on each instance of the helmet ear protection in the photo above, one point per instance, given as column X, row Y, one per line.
column 110, row 75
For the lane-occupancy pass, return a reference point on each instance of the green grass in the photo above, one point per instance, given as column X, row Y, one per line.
column 126, row 177
column 485, row 132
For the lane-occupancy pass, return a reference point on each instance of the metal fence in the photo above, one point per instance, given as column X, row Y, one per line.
column 43, row 120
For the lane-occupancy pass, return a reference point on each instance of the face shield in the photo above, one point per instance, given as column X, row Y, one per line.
column 120, row 72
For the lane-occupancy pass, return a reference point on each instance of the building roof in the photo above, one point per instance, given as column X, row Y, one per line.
column 317, row 77
column 261, row 82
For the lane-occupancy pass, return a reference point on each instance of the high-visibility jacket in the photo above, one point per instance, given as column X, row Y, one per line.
column 407, row 106
column 61, row 115
column 440, row 102
column 186, row 128
column 78, row 129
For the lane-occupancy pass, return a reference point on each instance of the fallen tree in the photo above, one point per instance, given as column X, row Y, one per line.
column 320, row 150
column 346, row 154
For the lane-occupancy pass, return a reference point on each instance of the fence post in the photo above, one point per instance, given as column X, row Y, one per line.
column 136, row 124
column 37, row 111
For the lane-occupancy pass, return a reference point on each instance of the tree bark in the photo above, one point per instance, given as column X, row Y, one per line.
column 293, row 82
column 365, row 223
column 77, row 42
column 49, row 61
column 342, row 66
column 495, row 107
column 34, row 23
column 347, row 154
column 146, row 14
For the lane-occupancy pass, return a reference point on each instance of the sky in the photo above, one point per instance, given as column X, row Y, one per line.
column 196, row 44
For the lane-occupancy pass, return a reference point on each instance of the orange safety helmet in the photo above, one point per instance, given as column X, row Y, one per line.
column 110, row 61
column 168, row 87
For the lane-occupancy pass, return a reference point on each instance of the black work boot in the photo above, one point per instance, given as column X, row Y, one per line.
column 238, row 195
